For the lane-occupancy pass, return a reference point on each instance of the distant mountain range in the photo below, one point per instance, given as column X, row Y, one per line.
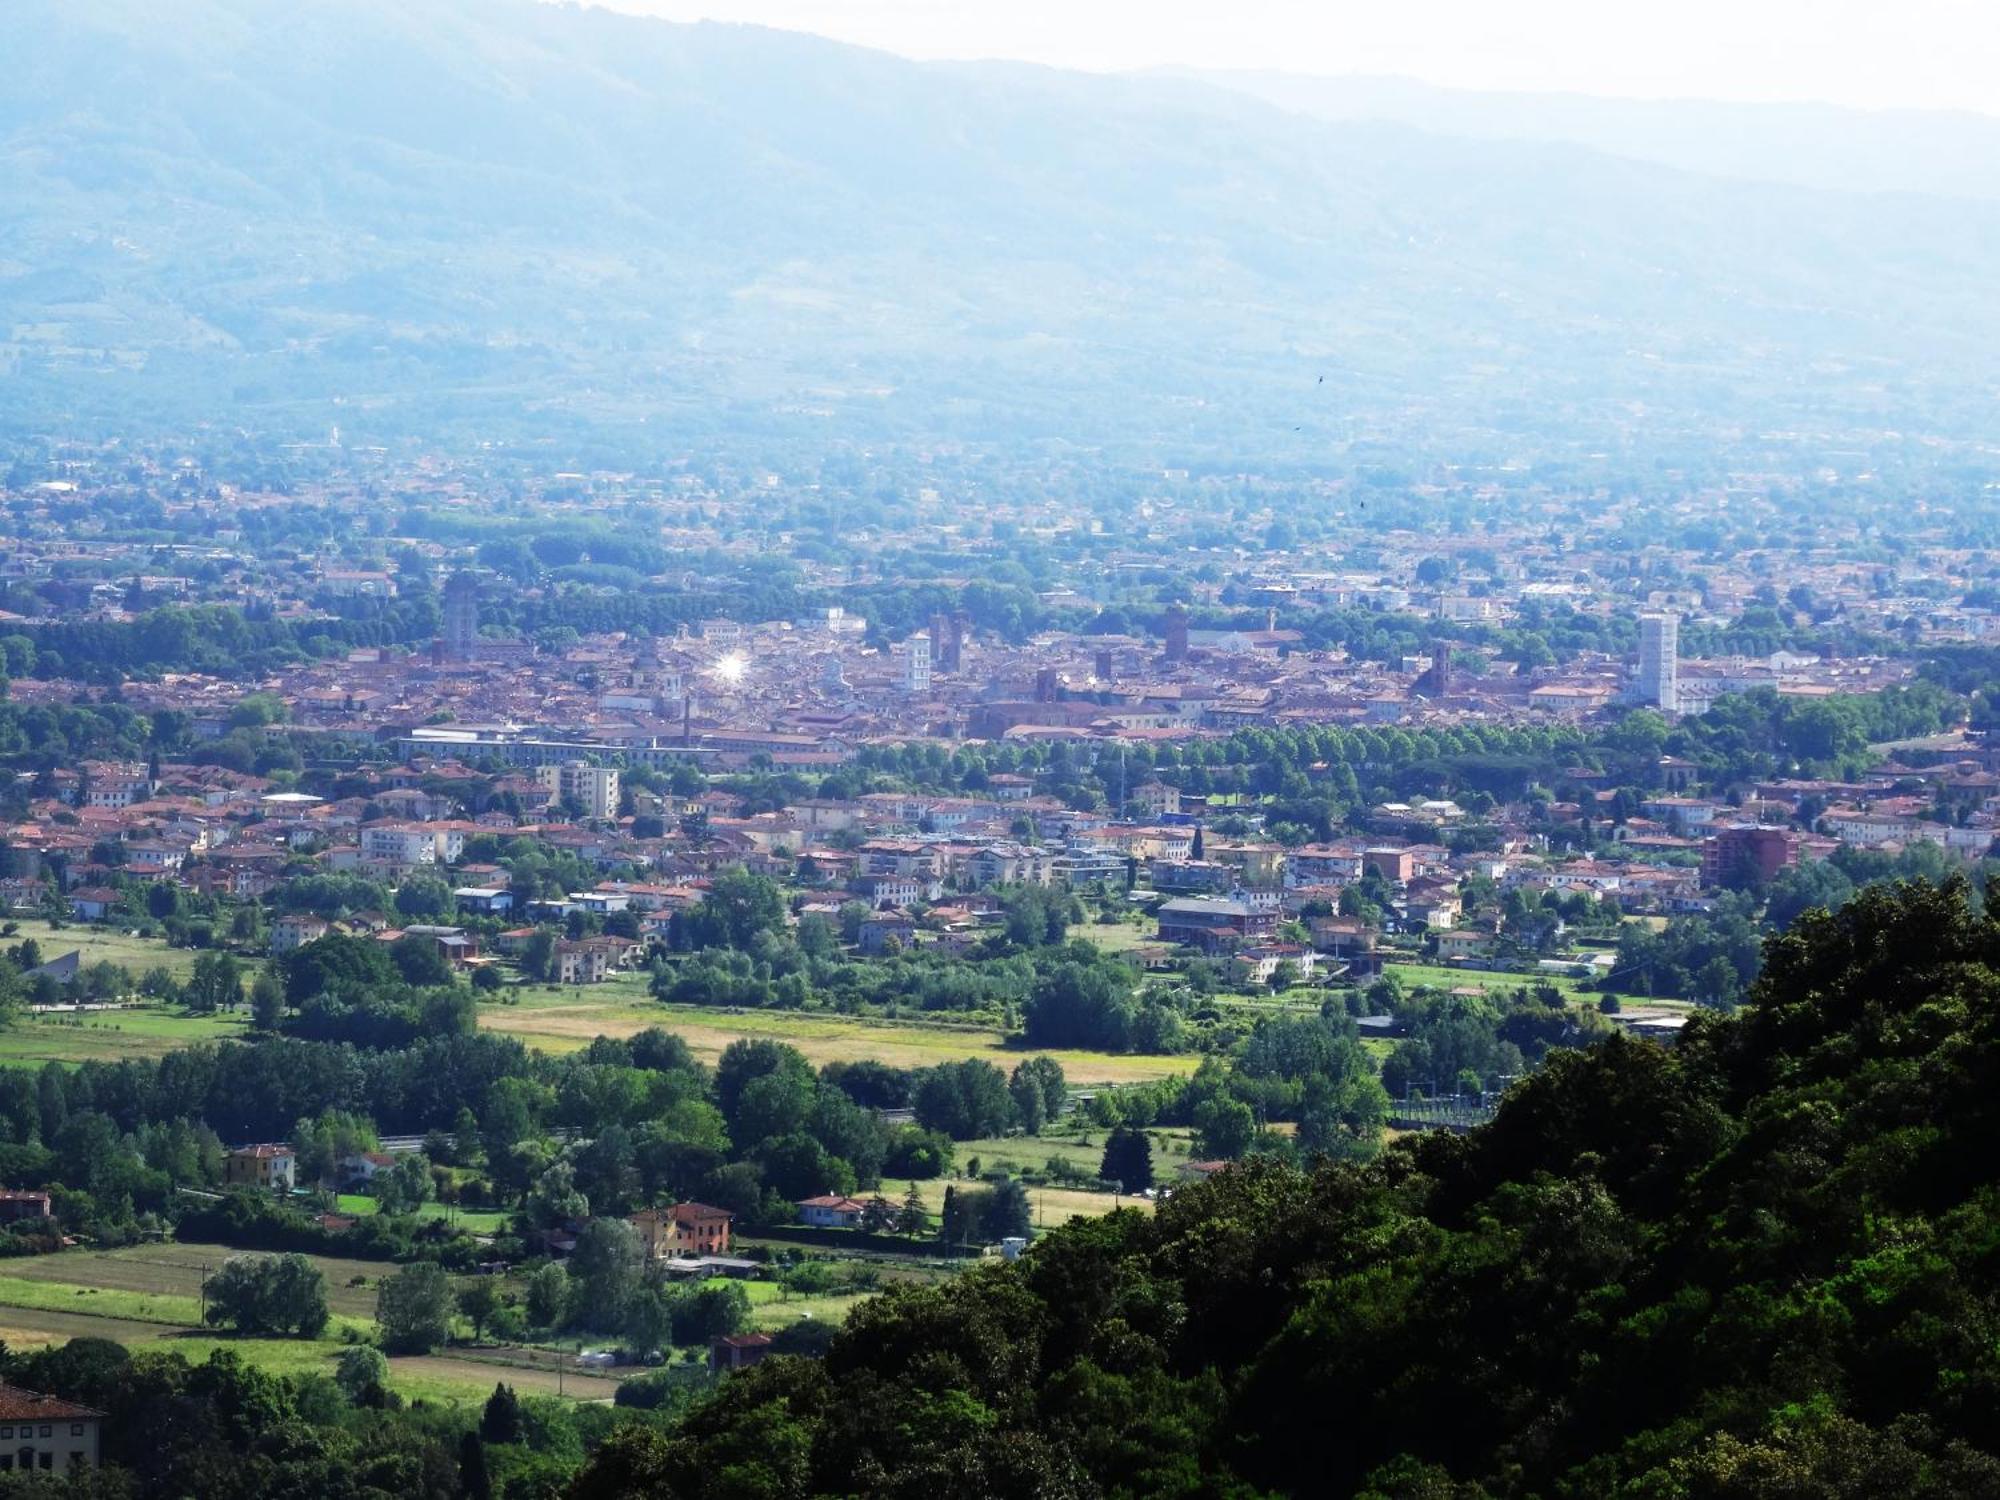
column 468, row 219
column 1806, row 145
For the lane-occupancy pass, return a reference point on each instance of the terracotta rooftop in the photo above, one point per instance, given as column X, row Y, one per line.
column 17, row 1405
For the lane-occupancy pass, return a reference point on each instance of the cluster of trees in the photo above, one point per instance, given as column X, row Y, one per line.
column 968, row 1100
column 1710, row 958
column 225, row 1430
column 212, row 638
column 1128, row 1159
column 986, row 1215
column 1476, row 1044
column 1764, row 733
column 1085, row 997
column 1754, row 1265
column 761, row 1132
column 1060, row 991
column 1319, row 774
column 257, row 1221
column 283, row 1294
column 1308, row 1071
column 608, row 1287
column 1314, row 780
column 351, row 989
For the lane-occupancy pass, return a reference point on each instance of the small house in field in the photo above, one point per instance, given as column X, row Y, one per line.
column 832, row 1211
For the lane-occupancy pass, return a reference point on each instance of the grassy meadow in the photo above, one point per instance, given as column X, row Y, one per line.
column 102, row 945
column 566, row 1020
column 112, row 1035
column 1442, row 977
column 149, row 1297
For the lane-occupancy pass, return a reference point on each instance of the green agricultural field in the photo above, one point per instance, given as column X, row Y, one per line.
column 112, row 1035
column 148, row 1296
column 1115, row 937
column 465, row 1377
column 26, row 1301
column 109, row 1035
column 1057, row 1205
column 30, row 1328
column 773, row 1308
column 474, row 1220
column 174, row 1270
column 566, row 1021
column 21, row 1295
column 104, row 945
column 456, row 1378
column 1437, row 976
column 49, row 1294
column 1030, row 1153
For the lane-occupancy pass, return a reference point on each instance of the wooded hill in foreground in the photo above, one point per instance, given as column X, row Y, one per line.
column 1765, row 1264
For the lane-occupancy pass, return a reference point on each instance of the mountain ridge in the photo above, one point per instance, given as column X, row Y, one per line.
column 517, row 219
column 1827, row 147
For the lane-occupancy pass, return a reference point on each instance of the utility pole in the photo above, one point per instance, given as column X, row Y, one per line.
column 204, row 1294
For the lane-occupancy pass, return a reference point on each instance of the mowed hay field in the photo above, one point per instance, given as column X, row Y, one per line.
column 566, row 1021
column 773, row 1309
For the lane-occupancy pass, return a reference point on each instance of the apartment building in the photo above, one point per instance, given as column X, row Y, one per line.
column 594, row 789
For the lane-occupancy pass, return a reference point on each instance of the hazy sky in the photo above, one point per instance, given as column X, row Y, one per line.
column 1937, row 54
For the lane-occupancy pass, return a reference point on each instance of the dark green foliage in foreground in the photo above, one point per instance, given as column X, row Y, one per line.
column 1761, row 1265
column 222, row 1429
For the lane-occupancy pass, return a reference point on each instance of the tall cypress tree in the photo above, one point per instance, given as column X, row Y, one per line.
column 473, row 1481
column 501, row 1421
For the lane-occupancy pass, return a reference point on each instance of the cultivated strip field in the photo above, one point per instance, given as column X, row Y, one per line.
column 149, row 1297
column 174, row 1271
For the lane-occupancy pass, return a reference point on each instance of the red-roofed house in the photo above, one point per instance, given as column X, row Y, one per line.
column 832, row 1211
column 735, row 1350
column 45, row 1434
column 684, row 1229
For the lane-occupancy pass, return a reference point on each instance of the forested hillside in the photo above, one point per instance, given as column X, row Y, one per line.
column 1763, row 1264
